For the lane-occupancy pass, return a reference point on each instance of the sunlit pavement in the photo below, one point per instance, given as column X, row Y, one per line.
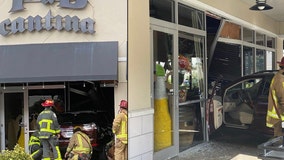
column 228, row 144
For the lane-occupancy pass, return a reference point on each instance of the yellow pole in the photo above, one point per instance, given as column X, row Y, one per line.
column 162, row 119
column 21, row 140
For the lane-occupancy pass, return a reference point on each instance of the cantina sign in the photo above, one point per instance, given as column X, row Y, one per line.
column 48, row 22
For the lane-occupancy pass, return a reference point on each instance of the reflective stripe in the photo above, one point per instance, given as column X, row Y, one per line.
column 275, row 100
column 44, row 137
column 81, row 147
column 34, row 153
column 272, row 114
column 48, row 123
column 269, row 125
column 58, row 153
column 46, row 158
column 123, row 134
column 33, row 143
column 34, row 140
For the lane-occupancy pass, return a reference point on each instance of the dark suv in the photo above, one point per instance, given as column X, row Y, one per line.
column 242, row 103
column 95, row 124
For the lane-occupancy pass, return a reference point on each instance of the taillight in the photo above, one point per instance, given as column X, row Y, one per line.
column 90, row 126
column 66, row 132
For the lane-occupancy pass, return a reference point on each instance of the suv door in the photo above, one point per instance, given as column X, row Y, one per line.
column 260, row 107
column 239, row 102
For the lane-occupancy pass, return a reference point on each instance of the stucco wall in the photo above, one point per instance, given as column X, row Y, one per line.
column 138, row 54
column 241, row 10
column 110, row 25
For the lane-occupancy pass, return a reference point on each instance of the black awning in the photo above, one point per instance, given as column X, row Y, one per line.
column 58, row 62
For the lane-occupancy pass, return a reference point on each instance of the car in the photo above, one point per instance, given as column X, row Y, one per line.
column 95, row 124
column 240, row 104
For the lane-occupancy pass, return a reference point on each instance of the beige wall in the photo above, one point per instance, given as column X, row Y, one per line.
column 110, row 18
column 109, row 26
column 241, row 10
column 138, row 54
column 281, row 29
column 279, row 50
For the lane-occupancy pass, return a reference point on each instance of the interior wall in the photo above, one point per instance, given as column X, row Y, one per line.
column 238, row 12
column 139, row 66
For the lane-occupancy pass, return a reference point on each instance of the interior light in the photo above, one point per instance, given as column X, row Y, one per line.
column 260, row 7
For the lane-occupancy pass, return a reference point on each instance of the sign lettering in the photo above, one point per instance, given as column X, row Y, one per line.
column 48, row 22
column 35, row 23
column 18, row 5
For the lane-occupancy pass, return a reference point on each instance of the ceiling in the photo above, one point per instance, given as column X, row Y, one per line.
column 276, row 13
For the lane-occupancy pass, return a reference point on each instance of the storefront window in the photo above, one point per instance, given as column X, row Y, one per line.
column 248, row 60
column 191, row 76
column 260, row 39
column 163, row 10
column 270, row 60
column 190, row 17
column 163, row 90
column 248, row 35
column 270, row 42
column 191, row 89
column 260, row 60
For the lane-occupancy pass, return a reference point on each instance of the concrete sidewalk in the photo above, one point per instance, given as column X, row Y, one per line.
column 215, row 150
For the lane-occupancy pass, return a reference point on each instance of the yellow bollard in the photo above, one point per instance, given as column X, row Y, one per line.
column 162, row 119
column 21, row 140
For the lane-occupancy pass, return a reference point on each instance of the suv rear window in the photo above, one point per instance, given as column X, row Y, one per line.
column 77, row 118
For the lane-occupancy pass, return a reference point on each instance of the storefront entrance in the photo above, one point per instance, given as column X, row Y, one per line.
column 14, row 120
column 179, row 60
column 18, row 111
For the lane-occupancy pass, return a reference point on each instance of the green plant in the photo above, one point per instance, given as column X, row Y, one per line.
column 17, row 154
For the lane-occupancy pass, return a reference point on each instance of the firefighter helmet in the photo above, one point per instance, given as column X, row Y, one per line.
column 281, row 63
column 123, row 104
column 77, row 128
column 48, row 103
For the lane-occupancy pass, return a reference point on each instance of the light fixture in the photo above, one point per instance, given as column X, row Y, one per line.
column 260, row 6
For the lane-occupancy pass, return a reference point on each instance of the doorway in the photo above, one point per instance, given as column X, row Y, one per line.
column 19, row 107
column 164, row 53
column 13, row 122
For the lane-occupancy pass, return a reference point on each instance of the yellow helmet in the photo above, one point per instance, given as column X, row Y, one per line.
column 77, row 128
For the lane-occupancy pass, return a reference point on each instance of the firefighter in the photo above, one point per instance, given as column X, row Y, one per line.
column 119, row 128
column 79, row 147
column 35, row 146
column 49, row 131
column 275, row 112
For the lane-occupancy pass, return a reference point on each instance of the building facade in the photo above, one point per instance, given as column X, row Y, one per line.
column 178, row 29
column 155, row 54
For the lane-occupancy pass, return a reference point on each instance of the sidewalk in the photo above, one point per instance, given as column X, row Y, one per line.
column 215, row 150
